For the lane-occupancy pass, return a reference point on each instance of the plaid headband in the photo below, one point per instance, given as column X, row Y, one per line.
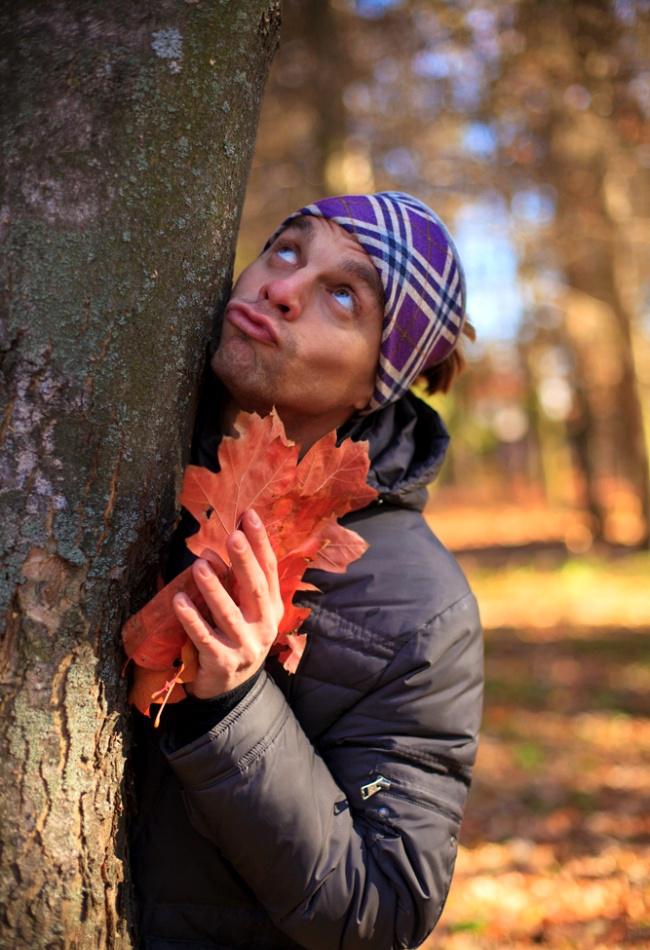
column 422, row 277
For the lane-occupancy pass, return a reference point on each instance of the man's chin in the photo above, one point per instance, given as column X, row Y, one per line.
column 237, row 369
column 233, row 356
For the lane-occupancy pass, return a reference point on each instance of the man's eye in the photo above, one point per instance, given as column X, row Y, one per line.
column 345, row 297
column 287, row 253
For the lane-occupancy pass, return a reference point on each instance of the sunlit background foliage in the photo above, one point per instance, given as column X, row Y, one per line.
column 526, row 125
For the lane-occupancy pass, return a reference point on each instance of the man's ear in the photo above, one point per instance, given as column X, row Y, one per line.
column 362, row 403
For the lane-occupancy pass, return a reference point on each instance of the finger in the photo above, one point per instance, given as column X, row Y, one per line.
column 204, row 638
column 259, row 541
column 225, row 613
column 254, row 596
column 219, row 565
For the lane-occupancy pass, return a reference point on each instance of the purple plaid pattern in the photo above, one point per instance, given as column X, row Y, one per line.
column 421, row 274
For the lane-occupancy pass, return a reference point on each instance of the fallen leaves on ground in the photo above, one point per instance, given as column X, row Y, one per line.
column 555, row 846
column 549, row 592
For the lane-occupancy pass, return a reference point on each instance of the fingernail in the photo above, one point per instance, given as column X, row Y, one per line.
column 238, row 541
column 203, row 569
column 254, row 518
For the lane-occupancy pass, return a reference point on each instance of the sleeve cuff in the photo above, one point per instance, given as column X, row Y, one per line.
column 195, row 717
column 234, row 743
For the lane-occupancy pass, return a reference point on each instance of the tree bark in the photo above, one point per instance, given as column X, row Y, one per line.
column 128, row 131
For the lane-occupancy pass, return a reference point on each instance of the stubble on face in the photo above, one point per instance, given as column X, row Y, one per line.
column 240, row 365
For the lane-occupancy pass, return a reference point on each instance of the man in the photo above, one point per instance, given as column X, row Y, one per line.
column 321, row 810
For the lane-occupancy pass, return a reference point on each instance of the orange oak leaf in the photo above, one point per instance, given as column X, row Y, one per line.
column 290, row 650
column 153, row 637
column 298, row 501
column 163, row 686
column 147, row 684
column 338, row 547
column 337, row 474
column 257, row 467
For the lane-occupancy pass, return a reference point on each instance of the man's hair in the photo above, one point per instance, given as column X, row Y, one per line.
column 439, row 378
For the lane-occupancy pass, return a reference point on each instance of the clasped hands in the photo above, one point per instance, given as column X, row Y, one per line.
column 237, row 645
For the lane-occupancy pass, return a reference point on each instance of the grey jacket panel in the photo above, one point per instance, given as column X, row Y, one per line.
column 276, row 845
column 334, row 869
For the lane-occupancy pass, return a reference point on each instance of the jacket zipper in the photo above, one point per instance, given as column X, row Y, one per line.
column 382, row 784
column 367, row 791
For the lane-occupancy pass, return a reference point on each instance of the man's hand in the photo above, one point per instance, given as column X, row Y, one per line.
column 237, row 645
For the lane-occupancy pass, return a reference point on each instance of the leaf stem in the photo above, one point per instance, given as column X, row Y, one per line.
column 167, row 689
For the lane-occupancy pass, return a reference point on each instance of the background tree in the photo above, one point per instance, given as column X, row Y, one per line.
column 579, row 138
column 127, row 134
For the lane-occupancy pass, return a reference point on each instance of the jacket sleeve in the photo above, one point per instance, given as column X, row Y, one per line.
column 351, row 846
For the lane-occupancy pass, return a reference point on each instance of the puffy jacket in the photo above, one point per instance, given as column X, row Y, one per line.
column 323, row 811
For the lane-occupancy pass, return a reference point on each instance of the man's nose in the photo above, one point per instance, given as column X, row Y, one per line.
column 287, row 294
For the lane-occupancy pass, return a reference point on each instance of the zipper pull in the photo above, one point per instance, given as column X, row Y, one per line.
column 367, row 791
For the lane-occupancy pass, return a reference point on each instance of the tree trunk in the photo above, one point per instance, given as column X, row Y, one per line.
column 329, row 72
column 128, row 130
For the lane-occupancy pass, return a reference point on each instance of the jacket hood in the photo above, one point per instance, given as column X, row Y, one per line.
column 407, row 443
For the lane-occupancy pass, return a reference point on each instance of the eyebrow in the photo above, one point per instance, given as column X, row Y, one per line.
column 367, row 274
column 303, row 224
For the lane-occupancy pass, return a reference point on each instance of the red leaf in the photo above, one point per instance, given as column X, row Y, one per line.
column 147, row 683
column 298, row 501
column 290, row 650
column 337, row 474
column 338, row 547
column 153, row 638
column 255, row 468
column 154, row 686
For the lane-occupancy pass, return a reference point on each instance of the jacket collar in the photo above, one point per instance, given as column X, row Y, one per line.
column 407, row 442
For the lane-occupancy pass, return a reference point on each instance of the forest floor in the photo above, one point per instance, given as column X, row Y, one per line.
column 555, row 846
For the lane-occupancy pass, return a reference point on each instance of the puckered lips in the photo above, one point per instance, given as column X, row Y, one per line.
column 251, row 322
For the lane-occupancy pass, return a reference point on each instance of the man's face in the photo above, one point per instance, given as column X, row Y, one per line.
column 302, row 329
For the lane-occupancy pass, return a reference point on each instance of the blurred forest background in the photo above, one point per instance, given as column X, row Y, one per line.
column 526, row 125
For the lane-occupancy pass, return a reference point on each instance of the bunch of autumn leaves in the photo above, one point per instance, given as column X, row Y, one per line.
column 299, row 502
